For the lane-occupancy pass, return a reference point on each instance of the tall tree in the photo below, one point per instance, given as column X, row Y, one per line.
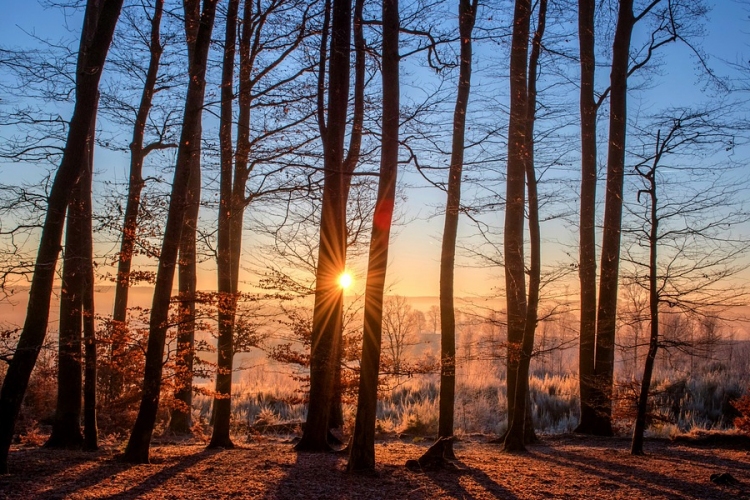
column 362, row 454
column 93, row 56
column 683, row 242
column 467, row 10
column 90, row 426
column 521, row 423
column 672, row 21
column 227, row 292
column 327, row 314
column 138, row 152
column 137, row 450
column 515, row 200
column 587, row 222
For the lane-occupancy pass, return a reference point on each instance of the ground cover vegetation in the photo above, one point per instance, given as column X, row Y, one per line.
column 272, row 152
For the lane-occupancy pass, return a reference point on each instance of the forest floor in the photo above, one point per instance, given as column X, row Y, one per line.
column 268, row 468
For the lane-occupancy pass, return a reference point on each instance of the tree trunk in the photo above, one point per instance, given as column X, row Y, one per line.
column 66, row 429
column 636, row 447
column 466, row 17
column 362, row 456
column 130, row 225
column 180, row 421
column 336, row 417
column 227, row 293
column 137, row 450
column 90, row 429
column 515, row 278
column 91, row 59
column 521, row 426
column 587, row 225
column 332, row 248
column 610, row 263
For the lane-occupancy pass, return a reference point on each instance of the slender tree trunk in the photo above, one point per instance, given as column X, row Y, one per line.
column 137, row 450
column 653, row 302
column 467, row 10
column 610, row 263
column 587, row 225
column 135, row 186
column 66, row 429
column 515, row 200
column 92, row 58
column 521, row 424
column 336, row 418
column 90, row 428
column 227, row 296
column 332, row 248
column 362, row 457
column 180, row 421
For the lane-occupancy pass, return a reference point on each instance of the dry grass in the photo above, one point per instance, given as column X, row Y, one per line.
column 560, row 467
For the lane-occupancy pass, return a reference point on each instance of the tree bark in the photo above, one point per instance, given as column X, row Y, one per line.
column 91, row 59
column 467, row 10
column 515, row 200
column 362, row 456
column 610, row 263
column 327, row 313
column 90, row 428
column 520, row 425
column 587, row 224
column 66, row 428
column 336, row 418
column 227, row 293
column 137, row 450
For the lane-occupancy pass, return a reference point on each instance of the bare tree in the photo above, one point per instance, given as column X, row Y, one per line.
column 101, row 22
column 362, row 453
column 684, row 238
column 137, row 450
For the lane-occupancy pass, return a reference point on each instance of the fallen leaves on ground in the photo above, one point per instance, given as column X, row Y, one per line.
column 268, row 468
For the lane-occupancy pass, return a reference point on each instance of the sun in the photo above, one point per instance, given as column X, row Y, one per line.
column 345, row 280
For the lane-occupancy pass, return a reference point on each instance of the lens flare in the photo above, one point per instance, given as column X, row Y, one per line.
column 345, row 280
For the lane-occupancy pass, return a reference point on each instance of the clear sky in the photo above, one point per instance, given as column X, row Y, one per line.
column 416, row 247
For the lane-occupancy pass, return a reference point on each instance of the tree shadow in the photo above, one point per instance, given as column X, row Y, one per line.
column 152, row 482
column 450, row 480
column 615, row 474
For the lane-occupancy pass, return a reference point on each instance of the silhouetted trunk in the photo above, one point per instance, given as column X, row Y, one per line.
column 336, row 418
column 327, row 314
column 137, row 450
column 90, row 428
column 227, row 297
column 521, row 426
column 362, row 456
column 467, row 10
column 587, row 223
column 515, row 200
column 91, row 58
column 636, row 447
column 135, row 185
column 180, row 421
column 610, row 263
column 66, row 428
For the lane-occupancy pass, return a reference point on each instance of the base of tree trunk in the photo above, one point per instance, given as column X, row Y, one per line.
column 514, row 444
column 224, row 442
column 179, row 424
column 135, row 456
column 439, row 456
column 70, row 440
